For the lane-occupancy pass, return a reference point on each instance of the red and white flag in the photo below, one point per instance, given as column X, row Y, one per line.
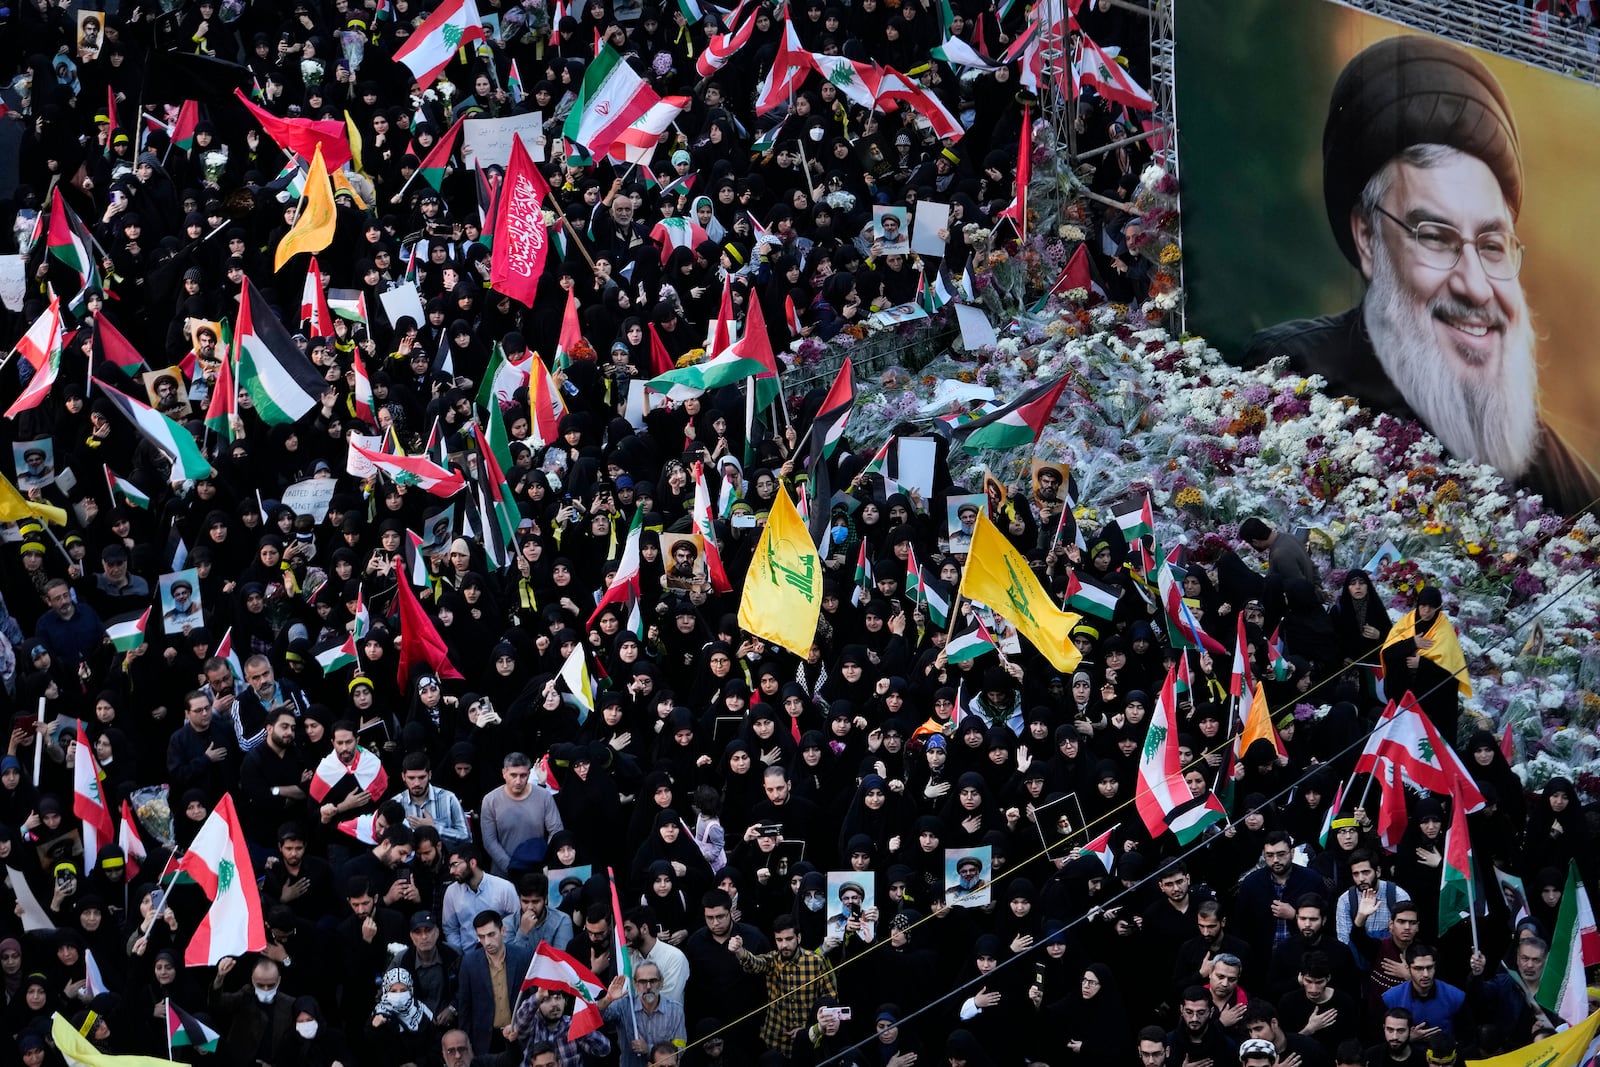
column 88, row 796
column 790, row 66
column 1100, row 71
column 314, row 302
column 130, row 842
column 556, row 972
column 416, row 471
column 708, row 532
column 219, row 862
column 1406, row 737
column 366, row 768
column 439, row 39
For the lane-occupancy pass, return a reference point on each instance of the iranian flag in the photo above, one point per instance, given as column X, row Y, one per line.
column 521, row 242
column 365, row 767
column 545, row 406
column 435, row 43
column 1097, row 69
column 1574, row 946
column 1163, row 798
column 185, row 1031
column 1405, row 736
column 172, row 440
column 677, row 232
column 272, row 369
column 130, row 842
column 1182, row 626
column 857, row 81
column 625, row 579
column 333, row 657
column 128, row 633
column 88, row 793
column 41, row 348
column 707, row 532
column 1090, row 598
column 1018, row 423
column 729, row 368
column 619, row 946
column 69, row 243
column 219, row 862
column 555, row 971
column 416, row 471
column 315, row 314
column 611, row 98
column 437, row 161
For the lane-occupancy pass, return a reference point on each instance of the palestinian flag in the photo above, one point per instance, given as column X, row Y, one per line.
column 1456, row 875
column 715, row 572
column 971, row 640
column 1018, row 423
column 1136, row 522
column 126, row 490
column 185, row 1031
column 414, row 471
column 437, row 161
column 128, row 632
column 333, row 657
column 110, row 346
column 184, row 126
column 348, row 304
column 170, row 439
column 611, row 98
column 224, row 403
column 492, row 480
column 755, row 343
column 864, row 581
column 513, row 86
column 834, row 414
column 625, row 577
column 728, row 368
column 570, row 342
column 68, row 242
column 936, row 594
column 1090, row 598
column 958, row 53
column 272, row 369
column 128, row 840
column 432, row 45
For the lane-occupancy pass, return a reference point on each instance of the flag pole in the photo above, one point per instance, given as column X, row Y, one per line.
column 38, row 741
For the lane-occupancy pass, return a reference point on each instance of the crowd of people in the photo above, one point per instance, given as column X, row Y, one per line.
column 713, row 781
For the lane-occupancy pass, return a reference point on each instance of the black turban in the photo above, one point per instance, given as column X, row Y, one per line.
column 1408, row 91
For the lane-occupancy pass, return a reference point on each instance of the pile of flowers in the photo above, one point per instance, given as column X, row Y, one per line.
column 1213, row 443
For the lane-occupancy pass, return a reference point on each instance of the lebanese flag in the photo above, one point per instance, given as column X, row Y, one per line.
column 89, row 798
column 414, row 470
column 857, row 81
column 556, row 972
column 41, row 347
column 1405, row 737
column 361, row 395
column 678, row 232
column 439, row 39
column 367, row 769
column 314, row 302
column 722, row 47
column 420, row 642
column 219, row 862
column 130, row 842
column 1018, row 211
column 638, row 142
column 1102, row 73
column 625, row 579
column 901, row 89
column 304, row 136
column 520, row 242
column 792, row 316
column 1392, row 820
column 707, row 532
column 1240, row 681
column 789, row 68
column 1163, row 799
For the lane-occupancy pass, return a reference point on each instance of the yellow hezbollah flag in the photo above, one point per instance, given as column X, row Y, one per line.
column 1258, row 726
column 355, row 143
column 15, row 507
column 999, row 577
column 77, row 1049
column 313, row 227
column 1573, row 1046
column 1444, row 649
column 783, row 590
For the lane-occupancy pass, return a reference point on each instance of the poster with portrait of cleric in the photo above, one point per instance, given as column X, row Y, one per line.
column 1405, row 216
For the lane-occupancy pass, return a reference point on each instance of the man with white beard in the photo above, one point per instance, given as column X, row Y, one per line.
column 1422, row 176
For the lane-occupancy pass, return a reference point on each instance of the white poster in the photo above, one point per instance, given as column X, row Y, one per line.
column 976, row 331
column 488, row 141
column 915, row 467
column 401, row 301
column 930, row 219
column 357, row 464
column 310, row 497
column 13, row 281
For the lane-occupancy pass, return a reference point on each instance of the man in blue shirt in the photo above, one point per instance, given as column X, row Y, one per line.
column 1433, row 1004
column 70, row 630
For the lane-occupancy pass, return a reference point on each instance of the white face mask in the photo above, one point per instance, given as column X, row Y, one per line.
column 397, row 1001
column 813, row 903
column 307, row 1030
column 266, row 995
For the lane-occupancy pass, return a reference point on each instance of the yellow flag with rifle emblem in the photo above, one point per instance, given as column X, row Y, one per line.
column 998, row 576
column 782, row 595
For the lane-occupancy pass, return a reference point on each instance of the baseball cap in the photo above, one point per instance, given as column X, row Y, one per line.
column 1258, row 1046
column 424, row 919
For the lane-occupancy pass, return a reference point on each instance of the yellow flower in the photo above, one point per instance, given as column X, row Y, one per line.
column 1189, row 497
column 1170, row 254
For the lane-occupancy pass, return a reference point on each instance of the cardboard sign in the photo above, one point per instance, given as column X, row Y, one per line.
column 485, row 142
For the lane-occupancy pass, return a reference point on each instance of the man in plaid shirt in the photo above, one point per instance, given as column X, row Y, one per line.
column 796, row 981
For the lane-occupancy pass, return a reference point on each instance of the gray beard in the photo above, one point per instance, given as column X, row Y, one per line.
column 1493, row 421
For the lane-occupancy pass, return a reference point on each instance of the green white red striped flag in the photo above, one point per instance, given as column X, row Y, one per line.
column 611, row 98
